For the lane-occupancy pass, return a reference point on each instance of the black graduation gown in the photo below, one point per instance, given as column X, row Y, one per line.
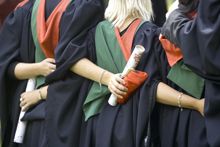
column 178, row 128
column 67, row 91
column 199, row 42
column 23, row 49
column 35, row 135
column 160, row 10
column 75, row 23
column 127, row 125
column 16, row 45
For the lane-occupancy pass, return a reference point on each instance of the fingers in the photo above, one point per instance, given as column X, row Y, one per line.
column 51, row 63
column 50, row 60
column 28, row 99
column 22, row 95
column 119, row 79
column 25, row 104
column 22, row 103
column 116, row 86
column 116, row 91
column 52, row 66
column 47, row 66
column 117, row 83
column 25, row 107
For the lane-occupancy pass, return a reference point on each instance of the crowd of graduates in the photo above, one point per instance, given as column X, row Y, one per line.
column 75, row 51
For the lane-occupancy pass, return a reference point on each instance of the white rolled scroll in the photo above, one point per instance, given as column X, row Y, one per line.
column 21, row 126
column 131, row 64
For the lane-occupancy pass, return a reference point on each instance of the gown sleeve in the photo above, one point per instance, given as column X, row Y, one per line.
column 79, row 18
column 198, row 38
column 9, row 43
column 199, row 42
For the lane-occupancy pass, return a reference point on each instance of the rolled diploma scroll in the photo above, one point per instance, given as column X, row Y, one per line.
column 131, row 64
column 21, row 126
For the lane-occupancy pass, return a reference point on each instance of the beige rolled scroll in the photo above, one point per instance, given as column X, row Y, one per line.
column 131, row 64
column 21, row 126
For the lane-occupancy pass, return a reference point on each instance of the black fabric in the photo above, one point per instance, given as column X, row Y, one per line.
column 73, row 31
column 35, row 135
column 199, row 42
column 67, row 91
column 50, row 6
column 189, row 6
column 180, row 128
column 159, row 10
column 197, row 38
column 181, row 125
column 127, row 125
column 6, row 6
column 16, row 45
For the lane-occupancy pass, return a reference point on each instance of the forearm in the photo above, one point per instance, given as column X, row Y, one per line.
column 89, row 70
column 24, row 71
column 169, row 96
column 43, row 92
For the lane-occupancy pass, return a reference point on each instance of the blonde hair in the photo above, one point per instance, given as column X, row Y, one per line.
column 118, row 10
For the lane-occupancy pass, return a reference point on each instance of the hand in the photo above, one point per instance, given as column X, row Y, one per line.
column 133, row 80
column 29, row 99
column 200, row 106
column 47, row 66
column 116, row 86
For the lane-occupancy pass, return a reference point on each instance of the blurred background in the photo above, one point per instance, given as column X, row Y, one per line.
column 6, row 6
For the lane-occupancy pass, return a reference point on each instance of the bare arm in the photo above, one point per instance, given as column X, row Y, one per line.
column 29, row 70
column 169, row 96
column 89, row 70
column 165, row 94
column 84, row 68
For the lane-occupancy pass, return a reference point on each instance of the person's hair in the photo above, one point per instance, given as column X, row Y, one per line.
column 118, row 10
